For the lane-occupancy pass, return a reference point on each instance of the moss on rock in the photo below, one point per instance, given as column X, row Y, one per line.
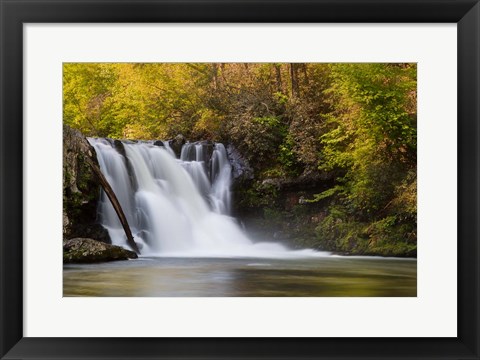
column 81, row 189
column 83, row 250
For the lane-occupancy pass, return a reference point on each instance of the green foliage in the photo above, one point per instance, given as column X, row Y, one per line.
column 269, row 122
column 256, row 137
column 386, row 237
column 327, row 193
column 272, row 215
column 287, row 157
column 370, row 136
column 135, row 100
column 260, row 194
column 281, row 98
column 86, row 87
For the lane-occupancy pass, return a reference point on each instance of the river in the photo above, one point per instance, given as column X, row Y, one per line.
column 334, row 276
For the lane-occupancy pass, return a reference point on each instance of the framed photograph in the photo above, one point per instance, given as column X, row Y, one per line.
column 239, row 179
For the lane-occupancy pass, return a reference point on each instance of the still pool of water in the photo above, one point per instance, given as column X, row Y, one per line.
column 202, row 277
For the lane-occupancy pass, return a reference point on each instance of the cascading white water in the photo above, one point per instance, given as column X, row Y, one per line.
column 175, row 207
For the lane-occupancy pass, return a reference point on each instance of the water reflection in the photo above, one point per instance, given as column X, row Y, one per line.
column 181, row 277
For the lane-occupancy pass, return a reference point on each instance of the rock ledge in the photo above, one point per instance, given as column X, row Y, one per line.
column 84, row 250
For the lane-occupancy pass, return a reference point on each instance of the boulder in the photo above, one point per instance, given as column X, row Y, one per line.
column 84, row 250
column 92, row 231
column 241, row 169
column 177, row 143
column 81, row 188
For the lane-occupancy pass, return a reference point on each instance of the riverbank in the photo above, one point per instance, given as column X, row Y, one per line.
column 280, row 210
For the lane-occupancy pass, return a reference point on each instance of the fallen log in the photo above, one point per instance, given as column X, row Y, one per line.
column 115, row 203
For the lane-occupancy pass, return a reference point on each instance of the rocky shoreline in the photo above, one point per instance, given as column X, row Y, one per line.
column 84, row 239
column 83, row 250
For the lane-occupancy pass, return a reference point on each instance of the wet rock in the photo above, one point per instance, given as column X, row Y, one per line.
column 177, row 143
column 208, row 146
column 92, row 231
column 271, row 183
column 119, row 147
column 81, row 188
column 158, row 143
column 84, row 250
column 241, row 169
column 281, row 235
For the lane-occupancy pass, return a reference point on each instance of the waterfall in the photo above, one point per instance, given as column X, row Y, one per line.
column 175, row 207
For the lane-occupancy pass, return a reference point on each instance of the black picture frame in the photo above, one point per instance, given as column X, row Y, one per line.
column 14, row 13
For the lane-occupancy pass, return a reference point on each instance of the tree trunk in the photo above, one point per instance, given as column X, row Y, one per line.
column 115, row 203
column 294, row 78
column 215, row 75
column 278, row 76
column 305, row 75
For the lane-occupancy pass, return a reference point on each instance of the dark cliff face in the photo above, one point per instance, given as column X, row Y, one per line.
column 241, row 169
column 276, row 208
column 81, row 189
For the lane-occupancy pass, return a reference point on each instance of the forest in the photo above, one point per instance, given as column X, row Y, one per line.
column 348, row 129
